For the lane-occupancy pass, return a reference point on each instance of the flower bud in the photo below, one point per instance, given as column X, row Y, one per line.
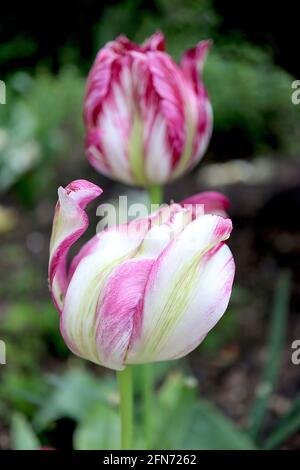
column 147, row 291
column 148, row 120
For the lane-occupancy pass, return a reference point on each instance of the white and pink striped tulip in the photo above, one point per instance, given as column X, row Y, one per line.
column 142, row 295
column 148, row 119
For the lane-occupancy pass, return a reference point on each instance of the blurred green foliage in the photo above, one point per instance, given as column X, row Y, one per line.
column 251, row 99
column 41, row 125
column 31, row 332
column 90, row 400
column 41, row 134
column 92, row 404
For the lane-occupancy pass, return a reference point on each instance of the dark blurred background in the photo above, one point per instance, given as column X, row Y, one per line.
column 45, row 54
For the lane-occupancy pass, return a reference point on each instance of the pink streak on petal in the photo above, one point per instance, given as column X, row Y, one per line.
column 167, row 81
column 98, row 85
column 193, row 60
column 70, row 208
column 213, row 201
column 223, row 229
column 191, row 66
column 156, row 42
column 122, row 45
column 142, row 225
column 119, row 315
column 95, row 153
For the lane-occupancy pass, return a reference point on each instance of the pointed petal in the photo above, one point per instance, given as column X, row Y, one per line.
column 69, row 223
column 156, row 42
column 191, row 66
column 193, row 60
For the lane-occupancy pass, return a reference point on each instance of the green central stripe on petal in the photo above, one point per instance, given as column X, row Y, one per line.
column 176, row 304
column 136, row 151
column 188, row 148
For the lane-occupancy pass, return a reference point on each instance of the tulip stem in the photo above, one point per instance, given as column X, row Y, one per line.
column 126, row 407
column 156, row 194
column 148, row 387
column 156, row 197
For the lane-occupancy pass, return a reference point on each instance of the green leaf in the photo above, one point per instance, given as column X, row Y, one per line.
column 74, row 394
column 100, row 430
column 185, row 422
column 22, row 435
column 287, row 425
column 159, row 370
column 275, row 348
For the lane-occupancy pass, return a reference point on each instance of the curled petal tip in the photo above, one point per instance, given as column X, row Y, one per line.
column 193, row 59
column 81, row 191
column 199, row 52
column 69, row 223
column 156, row 42
column 83, row 185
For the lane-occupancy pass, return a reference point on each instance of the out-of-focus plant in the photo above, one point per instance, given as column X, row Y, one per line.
column 92, row 403
column 257, row 104
column 22, row 436
column 37, row 125
column 277, row 335
column 256, row 113
column 30, row 331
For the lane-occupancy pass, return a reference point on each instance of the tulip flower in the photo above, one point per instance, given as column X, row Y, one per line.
column 148, row 119
column 145, row 291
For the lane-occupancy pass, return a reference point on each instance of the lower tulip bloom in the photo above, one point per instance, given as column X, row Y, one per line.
column 147, row 291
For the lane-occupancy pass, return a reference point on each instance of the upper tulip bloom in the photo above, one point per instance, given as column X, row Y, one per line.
column 147, row 291
column 148, row 120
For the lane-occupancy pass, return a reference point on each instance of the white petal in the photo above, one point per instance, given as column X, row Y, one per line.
column 187, row 291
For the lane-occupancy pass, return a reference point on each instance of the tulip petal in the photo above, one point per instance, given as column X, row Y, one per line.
column 193, row 60
column 70, row 222
column 102, row 306
column 167, row 82
column 191, row 66
column 98, row 85
column 213, row 202
column 118, row 311
column 78, row 320
column 148, row 120
column 187, row 291
column 156, row 42
column 119, row 314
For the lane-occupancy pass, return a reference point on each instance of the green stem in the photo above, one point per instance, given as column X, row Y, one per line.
column 156, row 194
column 126, row 407
column 148, row 387
column 156, row 197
